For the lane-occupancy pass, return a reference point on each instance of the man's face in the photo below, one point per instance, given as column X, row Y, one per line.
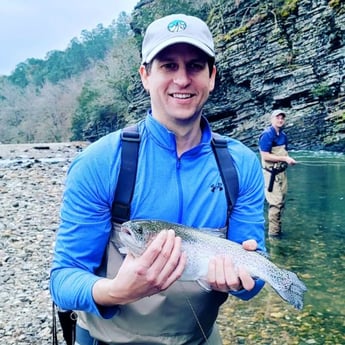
column 278, row 121
column 179, row 83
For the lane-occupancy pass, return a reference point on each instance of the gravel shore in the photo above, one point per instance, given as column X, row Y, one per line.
column 31, row 185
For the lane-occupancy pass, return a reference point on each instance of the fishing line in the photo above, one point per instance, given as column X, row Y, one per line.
column 320, row 163
column 194, row 313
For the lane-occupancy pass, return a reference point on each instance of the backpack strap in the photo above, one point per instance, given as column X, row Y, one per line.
column 226, row 168
column 121, row 207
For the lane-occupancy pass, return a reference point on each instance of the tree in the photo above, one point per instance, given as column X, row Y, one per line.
column 87, row 105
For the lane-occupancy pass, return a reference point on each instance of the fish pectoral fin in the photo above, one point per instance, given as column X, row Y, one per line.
column 263, row 253
column 123, row 250
column 204, row 284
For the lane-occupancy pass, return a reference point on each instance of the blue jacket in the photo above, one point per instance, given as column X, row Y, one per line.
column 186, row 189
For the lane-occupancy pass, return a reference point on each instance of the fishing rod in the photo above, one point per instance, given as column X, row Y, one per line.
column 319, row 163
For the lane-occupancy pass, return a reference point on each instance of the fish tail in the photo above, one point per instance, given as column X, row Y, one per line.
column 292, row 290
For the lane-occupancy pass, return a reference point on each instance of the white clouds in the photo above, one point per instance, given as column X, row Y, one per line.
column 31, row 28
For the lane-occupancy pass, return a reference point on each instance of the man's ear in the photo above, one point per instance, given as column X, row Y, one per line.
column 213, row 79
column 143, row 76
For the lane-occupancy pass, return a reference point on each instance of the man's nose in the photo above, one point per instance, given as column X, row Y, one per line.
column 182, row 77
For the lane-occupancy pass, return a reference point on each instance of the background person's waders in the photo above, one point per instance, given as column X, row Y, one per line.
column 276, row 198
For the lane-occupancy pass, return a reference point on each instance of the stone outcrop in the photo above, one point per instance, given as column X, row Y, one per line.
column 291, row 56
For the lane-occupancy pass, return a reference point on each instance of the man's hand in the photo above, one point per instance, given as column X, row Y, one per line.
column 223, row 276
column 289, row 160
column 155, row 270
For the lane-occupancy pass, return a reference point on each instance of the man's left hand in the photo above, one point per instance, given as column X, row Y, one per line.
column 223, row 276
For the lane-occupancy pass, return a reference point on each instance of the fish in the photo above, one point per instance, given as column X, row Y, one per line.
column 201, row 244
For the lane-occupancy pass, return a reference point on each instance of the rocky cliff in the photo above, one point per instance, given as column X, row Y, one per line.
column 289, row 56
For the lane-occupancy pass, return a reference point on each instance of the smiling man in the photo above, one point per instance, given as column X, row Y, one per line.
column 140, row 300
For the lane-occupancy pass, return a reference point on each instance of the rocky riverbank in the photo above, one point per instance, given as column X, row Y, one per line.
column 31, row 184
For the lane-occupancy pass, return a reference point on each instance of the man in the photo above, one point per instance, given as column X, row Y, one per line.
column 273, row 145
column 141, row 302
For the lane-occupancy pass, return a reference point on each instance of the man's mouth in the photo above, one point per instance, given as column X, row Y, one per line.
column 181, row 95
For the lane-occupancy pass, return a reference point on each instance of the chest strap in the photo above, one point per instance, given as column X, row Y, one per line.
column 121, row 207
column 130, row 138
column 227, row 169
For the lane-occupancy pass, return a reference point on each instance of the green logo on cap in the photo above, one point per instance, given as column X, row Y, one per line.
column 177, row 25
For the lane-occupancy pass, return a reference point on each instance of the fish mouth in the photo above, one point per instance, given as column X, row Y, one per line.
column 125, row 237
column 129, row 241
column 125, row 230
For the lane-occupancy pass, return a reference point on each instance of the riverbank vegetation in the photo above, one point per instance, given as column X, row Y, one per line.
column 264, row 61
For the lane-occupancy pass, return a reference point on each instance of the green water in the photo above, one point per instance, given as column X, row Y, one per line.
column 313, row 246
column 314, row 224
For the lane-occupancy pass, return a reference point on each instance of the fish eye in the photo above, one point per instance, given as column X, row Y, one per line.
column 139, row 229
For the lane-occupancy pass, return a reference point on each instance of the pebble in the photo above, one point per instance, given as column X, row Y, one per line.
column 31, row 185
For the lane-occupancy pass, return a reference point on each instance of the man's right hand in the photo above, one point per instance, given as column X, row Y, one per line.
column 155, row 270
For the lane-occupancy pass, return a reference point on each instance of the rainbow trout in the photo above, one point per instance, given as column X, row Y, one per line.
column 200, row 246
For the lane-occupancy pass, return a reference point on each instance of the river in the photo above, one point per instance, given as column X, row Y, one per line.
column 313, row 246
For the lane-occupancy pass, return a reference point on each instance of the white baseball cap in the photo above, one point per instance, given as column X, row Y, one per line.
column 176, row 28
column 278, row 112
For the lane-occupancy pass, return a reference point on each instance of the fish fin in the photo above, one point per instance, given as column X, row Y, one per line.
column 123, row 250
column 211, row 231
column 294, row 290
column 263, row 253
column 204, row 284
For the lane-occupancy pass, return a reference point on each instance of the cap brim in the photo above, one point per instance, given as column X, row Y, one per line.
column 275, row 114
column 176, row 40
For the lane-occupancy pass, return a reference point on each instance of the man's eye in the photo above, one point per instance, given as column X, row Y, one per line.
column 196, row 66
column 169, row 66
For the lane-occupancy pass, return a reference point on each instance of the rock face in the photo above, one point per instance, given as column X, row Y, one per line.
column 291, row 57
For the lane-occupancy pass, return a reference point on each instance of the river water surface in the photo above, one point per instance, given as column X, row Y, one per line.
column 313, row 246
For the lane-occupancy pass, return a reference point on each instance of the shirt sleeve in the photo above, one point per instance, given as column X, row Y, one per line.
column 86, row 220
column 266, row 141
column 247, row 295
column 247, row 218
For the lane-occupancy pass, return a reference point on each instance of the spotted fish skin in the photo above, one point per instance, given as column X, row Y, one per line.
column 200, row 246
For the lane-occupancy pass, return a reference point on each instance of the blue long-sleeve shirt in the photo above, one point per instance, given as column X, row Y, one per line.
column 186, row 189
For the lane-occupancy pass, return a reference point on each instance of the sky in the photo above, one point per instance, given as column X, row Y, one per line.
column 32, row 28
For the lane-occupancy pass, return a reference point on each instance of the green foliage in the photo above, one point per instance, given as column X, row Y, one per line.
column 70, row 92
column 85, row 112
column 80, row 54
column 19, row 76
column 235, row 32
column 289, row 7
column 322, row 91
column 334, row 3
column 108, row 94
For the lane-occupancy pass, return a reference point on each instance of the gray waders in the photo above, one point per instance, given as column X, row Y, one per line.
column 183, row 314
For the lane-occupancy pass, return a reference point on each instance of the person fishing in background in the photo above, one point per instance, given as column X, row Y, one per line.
column 273, row 145
column 177, row 181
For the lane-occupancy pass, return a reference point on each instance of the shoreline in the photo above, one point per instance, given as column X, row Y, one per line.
column 41, row 150
column 32, row 180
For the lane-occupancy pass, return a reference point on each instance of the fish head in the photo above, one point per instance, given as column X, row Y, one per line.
column 135, row 236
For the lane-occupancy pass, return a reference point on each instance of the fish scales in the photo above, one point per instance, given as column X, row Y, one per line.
column 200, row 245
